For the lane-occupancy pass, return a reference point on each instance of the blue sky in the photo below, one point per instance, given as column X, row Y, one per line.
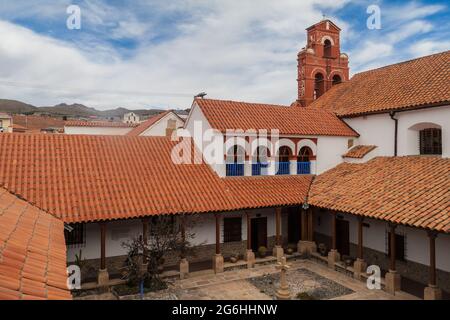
column 149, row 53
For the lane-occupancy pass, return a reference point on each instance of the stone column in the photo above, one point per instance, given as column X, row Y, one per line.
column 249, row 255
column 103, row 276
column 184, row 263
column 333, row 255
column 393, row 279
column 218, row 258
column 278, row 251
column 432, row 292
column 360, row 265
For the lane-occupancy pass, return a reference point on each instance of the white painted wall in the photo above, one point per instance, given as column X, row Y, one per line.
column 118, row 232
column 378, row 130
column 329, row 152
column 374, row 237
column 158, row 129
column 102, row 131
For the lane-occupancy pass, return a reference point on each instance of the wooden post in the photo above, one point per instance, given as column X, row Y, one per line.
column 103, row 245
column 278, row 226
column 333, row 231
column 310, row 225
column 360, row 238
column 393, row 253
column 304, row 225
column 217, row 234
column 249, row 232
column 432, row 237
column 145, row 222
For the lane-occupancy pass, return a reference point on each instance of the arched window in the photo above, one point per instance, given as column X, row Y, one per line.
column 336, row 79
column 304, row 161
column 327, row 48
column 235, row 161
column 431, row 141
column 260, row 161
column 319, row 85
column 283, row 164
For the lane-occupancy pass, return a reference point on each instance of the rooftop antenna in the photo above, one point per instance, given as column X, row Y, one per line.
column 201, row 95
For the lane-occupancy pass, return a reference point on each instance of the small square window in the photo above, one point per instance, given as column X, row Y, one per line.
column 232, row 229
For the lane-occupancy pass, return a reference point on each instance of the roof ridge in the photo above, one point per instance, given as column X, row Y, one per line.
column 400, row 63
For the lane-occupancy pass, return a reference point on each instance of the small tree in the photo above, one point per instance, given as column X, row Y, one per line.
column 145, row 259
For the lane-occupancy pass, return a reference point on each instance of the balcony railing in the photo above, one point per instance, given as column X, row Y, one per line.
column 303, row 167
column 234, row 169
column 283, row 168
column 259, row 169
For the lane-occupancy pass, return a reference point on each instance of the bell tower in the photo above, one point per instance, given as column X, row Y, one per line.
column 321, row 63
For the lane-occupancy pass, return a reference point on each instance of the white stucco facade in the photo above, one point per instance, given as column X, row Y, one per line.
column 100, row 131
column 375, row 237
column 379, row 130
column 159, row 129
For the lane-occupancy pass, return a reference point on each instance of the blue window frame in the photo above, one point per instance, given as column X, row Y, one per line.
column 234, row 169
column 283, row 168
column 303, row 167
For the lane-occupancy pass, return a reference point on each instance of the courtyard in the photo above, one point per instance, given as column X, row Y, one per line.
column 307, row 280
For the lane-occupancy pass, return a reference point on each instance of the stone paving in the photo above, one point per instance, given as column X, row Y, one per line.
column 237, row 284
column 240, row 285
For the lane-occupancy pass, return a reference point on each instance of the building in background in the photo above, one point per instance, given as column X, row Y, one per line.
column 131, row 118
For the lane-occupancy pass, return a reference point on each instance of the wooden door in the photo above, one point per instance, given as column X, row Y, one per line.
column 343, row 237
column 259, row 233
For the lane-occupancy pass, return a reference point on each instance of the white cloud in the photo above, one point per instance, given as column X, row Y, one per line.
column 230, row 49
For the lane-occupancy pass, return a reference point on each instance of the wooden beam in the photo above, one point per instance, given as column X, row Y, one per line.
column 304, row 225
column 333, row 231
column 249, row 231
column 310, row 225
column 278, row 226
column 145, row 222
column 217, row 234
column 393, row 253
column 432, row 237
column 103, row 245
column 360, row 238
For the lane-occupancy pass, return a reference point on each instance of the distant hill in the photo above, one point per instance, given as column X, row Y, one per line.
column 70, row 110
column 13, row 106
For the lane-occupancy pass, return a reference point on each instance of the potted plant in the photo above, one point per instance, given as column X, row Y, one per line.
column 262, row 251
column 322, row 249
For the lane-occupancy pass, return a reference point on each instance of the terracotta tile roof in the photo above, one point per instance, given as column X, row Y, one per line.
column 38, row 122
column 412, row 191
column 88, row 178
column 32, row 252
column 223, row 115
column 417, row 83
column 148, row 123
column 359, row 152
column 100, row 124
column 269, row 191
column 92, row 178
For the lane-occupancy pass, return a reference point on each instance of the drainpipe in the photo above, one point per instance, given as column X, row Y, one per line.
column 392, row 115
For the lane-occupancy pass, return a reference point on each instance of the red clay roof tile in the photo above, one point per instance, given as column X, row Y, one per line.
column 30, row 240
column 223, row 115
column 416, row 83
column 358, row 152
column 100, row 124
column 407, row 190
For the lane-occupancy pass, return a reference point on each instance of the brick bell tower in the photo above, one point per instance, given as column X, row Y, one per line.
column 321, row 64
